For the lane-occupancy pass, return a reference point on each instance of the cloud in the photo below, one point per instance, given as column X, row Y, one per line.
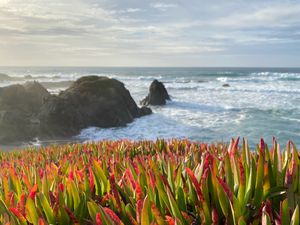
column 163, row 6
column 272, row 16
column 133, row 10
column 117, row 32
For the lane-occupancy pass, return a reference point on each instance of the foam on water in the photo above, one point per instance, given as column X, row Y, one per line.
column 258, row 102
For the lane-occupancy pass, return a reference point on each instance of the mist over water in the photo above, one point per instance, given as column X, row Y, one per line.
column 259, row 102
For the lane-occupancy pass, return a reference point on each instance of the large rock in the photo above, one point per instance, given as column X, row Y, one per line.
column 19, row 107
column 157, row 94
column 89, row 101
column 29, row 111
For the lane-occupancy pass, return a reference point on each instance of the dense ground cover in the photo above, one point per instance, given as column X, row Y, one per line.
column 175, row 182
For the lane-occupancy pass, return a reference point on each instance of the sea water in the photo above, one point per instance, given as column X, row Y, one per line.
column 259, row 102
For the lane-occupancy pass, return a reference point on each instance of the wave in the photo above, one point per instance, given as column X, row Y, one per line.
column 159, row 77
column 183, row 86
column 5, row 77
column 56, row 84
column 257, row 77
column 195, row 106
column 291, row 119
column 30, row 77
column 222, row 79
column 276, row 76
column 149, row 127
column 223, row 73
column 265, row 89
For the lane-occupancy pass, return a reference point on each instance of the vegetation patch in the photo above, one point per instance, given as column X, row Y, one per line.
column 162, row 182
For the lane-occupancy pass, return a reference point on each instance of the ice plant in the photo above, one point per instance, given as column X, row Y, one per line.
column 151, row 183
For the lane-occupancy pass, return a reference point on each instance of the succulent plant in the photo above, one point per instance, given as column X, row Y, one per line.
column 151, row 182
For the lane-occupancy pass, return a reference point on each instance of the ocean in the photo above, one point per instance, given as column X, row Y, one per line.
column 259, row 102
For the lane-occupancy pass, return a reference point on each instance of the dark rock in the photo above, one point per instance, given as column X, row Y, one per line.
column 28, row 97
column 225, row 85
column 157, row 94
column 37, row 92
column 145, row 111
column 28, row 77
column 90, row 101
column 19, row 107
column 29, row 111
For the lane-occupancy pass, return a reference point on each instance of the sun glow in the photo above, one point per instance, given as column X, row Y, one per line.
column 4, row 2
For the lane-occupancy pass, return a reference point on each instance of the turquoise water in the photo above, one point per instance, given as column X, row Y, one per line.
column 260, row 102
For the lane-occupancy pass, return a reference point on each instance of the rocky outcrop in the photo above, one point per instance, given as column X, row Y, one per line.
column 19, row 108
column 29, row 111
column 90, row 101
column 157, row 94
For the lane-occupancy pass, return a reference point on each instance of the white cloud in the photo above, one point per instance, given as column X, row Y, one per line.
column 132, row 10
column 119, row 31
column 271, row 16
column 163, row 6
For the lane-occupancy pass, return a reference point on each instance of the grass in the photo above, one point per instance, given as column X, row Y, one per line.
column 162, row 182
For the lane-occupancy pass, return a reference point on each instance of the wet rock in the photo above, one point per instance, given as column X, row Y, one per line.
column 157, row 94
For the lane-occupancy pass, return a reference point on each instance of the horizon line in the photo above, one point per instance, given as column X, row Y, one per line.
column 246, row 67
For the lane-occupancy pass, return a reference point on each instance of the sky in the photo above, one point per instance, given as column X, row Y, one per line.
column 196, row 33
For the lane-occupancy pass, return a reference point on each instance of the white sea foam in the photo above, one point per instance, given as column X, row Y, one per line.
column 222, row 79
column 291, row 119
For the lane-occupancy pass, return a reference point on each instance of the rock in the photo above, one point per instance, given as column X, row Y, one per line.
column 157, row 94
column 19, row 107
column 28, row 77
column 28, row 111
column 89, row 101
column 5, row 77
column 28, row 97
column 225, row 85
column 37, row 92
column 145, row 111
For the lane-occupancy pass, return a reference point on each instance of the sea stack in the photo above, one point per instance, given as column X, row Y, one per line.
column 158, row 94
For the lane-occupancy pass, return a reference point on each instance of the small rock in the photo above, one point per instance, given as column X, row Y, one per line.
column 157, row 94
column 145, row 111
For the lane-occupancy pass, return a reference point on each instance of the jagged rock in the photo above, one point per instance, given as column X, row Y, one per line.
column 157, row 94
